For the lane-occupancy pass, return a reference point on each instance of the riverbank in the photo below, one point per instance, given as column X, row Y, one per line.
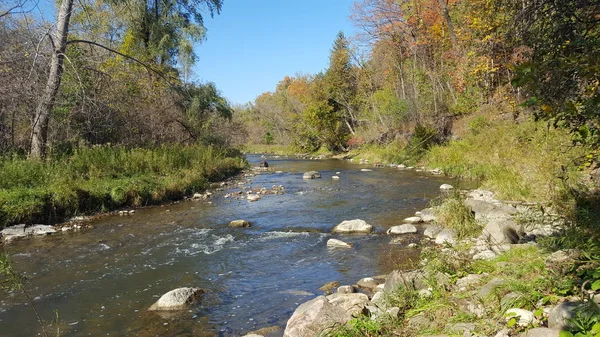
column 101, row 179
column 488, row 268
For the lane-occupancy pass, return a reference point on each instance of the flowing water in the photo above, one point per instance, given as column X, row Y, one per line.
column 101, row 281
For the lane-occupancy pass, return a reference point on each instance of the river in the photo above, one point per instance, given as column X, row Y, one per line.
column 101, row 281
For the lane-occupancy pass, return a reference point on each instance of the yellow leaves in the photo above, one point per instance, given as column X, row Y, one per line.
column 546, row 108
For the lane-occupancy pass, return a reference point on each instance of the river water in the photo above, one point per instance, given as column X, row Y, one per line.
column 101, row 281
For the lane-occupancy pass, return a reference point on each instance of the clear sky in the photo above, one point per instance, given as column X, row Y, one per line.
column 252, row 45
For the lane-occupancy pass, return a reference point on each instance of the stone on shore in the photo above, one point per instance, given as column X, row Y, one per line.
column 432, row 231
column 311, row 175
column 540, row 332
column 178, row 299
column 427, row 215
column 446, row 187
column 560, row 316
column 352, row 226
column 239, row 224
column 367, row 282
column 335, row 243
column 19, row 231
column 413, row 220
column 402, row 229
column 408, row 279
column 322, row 313
column 524, row 317
column 445, row 236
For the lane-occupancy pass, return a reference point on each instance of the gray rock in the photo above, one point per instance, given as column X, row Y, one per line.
column 408, row 279
column 394, row 312
column 484, row 210
column 314, row 317
column 446, row 187
column 39, row 230
column 427, row 215
column 311, row 175
column 335, row 243
column 178, row 299
column 500, row 231
column 525, row 317
column 402, row 229
column 490, row 287
column 468, row 281
column 562, row 261
column 476, row 309
column 353, row 304
column 460, row 327
column 419, row 322
column 367, row 282
column 413, row 220
column 540, row 332
column 482, row 195
column 374, row 312
column 484, row 255
column 445, row 236
column 432, row 231
column 379, row 299
column 561, row 314
column 353, row 226
column 346, row 290
column 239, row 224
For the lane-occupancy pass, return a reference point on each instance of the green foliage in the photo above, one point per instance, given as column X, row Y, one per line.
column 561, row 69
column 356, row 327
column 107, row 177
column 452, row 213
column 485, row 156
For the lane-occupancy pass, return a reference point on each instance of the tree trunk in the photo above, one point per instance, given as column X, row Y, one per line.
column 448, row 22
column 46, row 104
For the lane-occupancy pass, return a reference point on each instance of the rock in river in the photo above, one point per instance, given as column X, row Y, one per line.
column 239, row 224
column 335, row 243
column 353, row 226
column 402, row 229
column 253, row 197
column 178, row 299
column 311, row 175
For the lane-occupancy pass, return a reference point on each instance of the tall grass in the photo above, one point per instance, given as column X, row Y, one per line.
column 107, row 177
column 530, row 161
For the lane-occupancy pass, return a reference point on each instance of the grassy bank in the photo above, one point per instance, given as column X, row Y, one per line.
column 105, row 178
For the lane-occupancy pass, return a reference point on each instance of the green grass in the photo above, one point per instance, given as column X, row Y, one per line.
column 530, row 161
column 105, row 178
column 452, row 213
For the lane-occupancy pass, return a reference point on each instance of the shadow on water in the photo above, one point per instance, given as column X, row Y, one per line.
column 102, row 280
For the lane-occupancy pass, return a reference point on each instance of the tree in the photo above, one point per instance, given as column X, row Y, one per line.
column 561, row 70
column 181, row 19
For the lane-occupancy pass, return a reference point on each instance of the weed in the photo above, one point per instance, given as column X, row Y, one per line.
column 452, row 213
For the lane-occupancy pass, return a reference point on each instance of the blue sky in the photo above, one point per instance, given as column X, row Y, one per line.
column 252, row 45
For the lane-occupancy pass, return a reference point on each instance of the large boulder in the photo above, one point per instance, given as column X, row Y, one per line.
column 414, row 279
column 178, row 299
column 311, row 175
column 402, row 229
column 500, row 231
column 324, row 313
column 560, row 317
column 353, row 226
column 484, row 210
column 19, row 231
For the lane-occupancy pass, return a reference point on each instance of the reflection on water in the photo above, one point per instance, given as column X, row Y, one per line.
column 102, row 281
